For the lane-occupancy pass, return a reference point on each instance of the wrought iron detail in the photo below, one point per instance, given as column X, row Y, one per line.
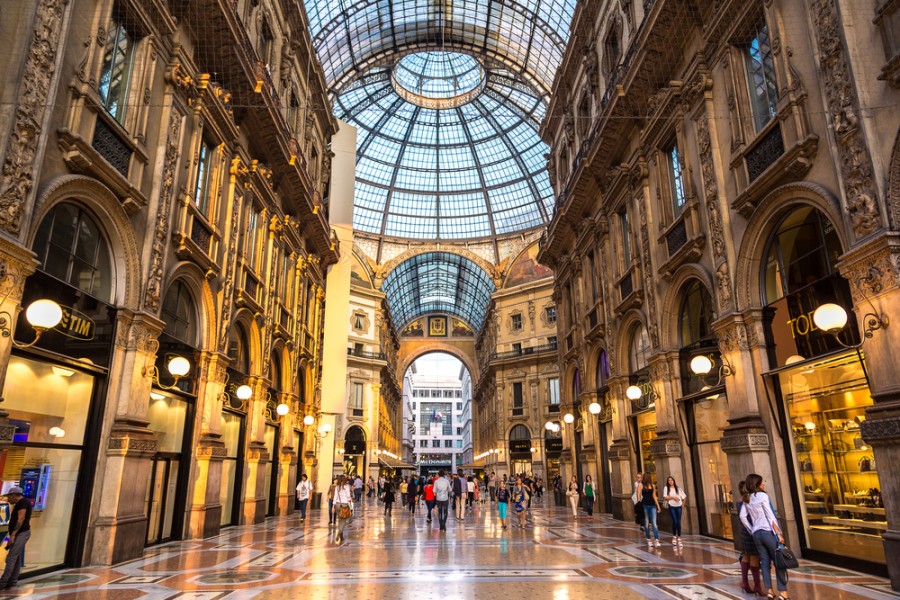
column 112, row 147
column 626, row 286
column 763, row 154
column 200, row 235
column 676, row 237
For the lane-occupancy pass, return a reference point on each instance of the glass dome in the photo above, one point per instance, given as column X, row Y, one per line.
column 468, row 171
column 438, row 79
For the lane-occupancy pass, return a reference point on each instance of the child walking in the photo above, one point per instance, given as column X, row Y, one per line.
column 502, row 503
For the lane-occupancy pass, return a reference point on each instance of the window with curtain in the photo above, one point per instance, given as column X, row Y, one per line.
column 553, row 389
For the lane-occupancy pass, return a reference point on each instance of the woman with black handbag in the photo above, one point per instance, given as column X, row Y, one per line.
column 759, row 519
column 749, row 553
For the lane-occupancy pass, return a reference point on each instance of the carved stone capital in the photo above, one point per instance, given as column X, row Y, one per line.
column 745, row 434
column 873, row 268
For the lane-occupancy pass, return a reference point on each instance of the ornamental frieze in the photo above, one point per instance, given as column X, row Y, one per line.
column 843, row 107
column 31, row 105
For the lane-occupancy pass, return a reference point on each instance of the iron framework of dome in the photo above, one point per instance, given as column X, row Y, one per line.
column 438, row 282
column 447, row 98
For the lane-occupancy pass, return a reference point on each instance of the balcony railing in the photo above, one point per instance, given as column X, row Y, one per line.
column 365, row 354
column 524, row 351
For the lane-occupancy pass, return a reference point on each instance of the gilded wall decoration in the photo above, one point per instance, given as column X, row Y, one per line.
column 31, row 105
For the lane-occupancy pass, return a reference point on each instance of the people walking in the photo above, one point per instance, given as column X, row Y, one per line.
column 459, row 496
column 759, row 518
column 572, row 495
column 749, row 553
column 492, row 486
column 404, row 488
column 304, row 488
column 19, row 534
column 588, row 492
column 388, row 496
column 502, row 497
column 674, row 498
column 470, row 491
column 428, row 494
column 650, row 504
column 520, row 500
column 638, row 505
column 342, row 506
column 370, row 485
column 412, row 494
column 333, row 485
column 442, row 498
column 357, row 488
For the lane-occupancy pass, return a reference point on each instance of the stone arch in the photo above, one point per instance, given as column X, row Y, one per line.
column 361, row 427
column 430, row 348
column 105, row 207
column 594, row 353
column 195, row 279
column 512, row 426
column 672, row 300
column 779, row 202
column 623, row 338
column 567, row 380
column 360, row 257
column 383, row 270
column 280, row 353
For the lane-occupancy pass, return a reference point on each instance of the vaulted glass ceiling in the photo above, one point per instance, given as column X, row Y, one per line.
column 438, row 282
column 447, row 96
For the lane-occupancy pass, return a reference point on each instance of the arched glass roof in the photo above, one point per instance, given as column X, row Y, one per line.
column 475, row 170
column 447, row 98
column 438, row 282
column 529, row 36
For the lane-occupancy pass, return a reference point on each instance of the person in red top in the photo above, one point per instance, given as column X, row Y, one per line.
column 429, row 496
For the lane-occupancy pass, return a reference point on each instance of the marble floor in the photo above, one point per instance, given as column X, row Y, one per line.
column 403, row 556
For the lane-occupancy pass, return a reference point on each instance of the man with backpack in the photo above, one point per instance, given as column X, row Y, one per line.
column 442, row 492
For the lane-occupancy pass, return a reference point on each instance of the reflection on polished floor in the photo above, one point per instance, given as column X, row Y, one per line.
column 404, row 557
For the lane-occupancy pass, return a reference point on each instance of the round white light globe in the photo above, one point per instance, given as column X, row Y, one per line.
column 569, row 418
column 701, row 365
column 633, row 392
column 830, row 317
column 308, row 420
column 282, row 409
column 595, row 408
column 179, row 366
column 243, row 392
column 43, row 314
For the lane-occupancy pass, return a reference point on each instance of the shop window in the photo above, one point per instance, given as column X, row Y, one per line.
column 550, row 315
column 48, row 405
column 118, row 62
column 676, row 177
column 625, row 238
column 203, row 186
column 553, row 390
column 70, row 247
column 602, row 374
column 179, row 314
column 843, row 510
column 518, row 400
column 238, row 349
column 803, row 250
column 639, row 349
column 230, row 484
column 760, row 68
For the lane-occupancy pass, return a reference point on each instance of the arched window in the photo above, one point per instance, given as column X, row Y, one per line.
column 70, row 247
column 355, row 434
column 639, row 349
column 179, row 314
column 275, row 372
column 238, row 349
column 803, row 250
column 602, row 369
column 695, row 316
column 576, row 385
column 519, row 432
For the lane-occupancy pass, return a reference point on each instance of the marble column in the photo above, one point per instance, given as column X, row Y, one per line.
column 119, row 529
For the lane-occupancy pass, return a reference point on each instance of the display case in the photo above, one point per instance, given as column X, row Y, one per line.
column 836, row 470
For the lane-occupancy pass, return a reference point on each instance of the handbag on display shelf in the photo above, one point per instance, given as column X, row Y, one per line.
column 866, row 464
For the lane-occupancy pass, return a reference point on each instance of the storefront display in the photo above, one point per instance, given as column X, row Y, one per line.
column 49, row 406
column 822, row 392
column 167, row 416
column 841, row 491
column 232, row 465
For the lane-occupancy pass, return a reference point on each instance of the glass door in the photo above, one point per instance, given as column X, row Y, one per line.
column 271, row 436
column 160, row 500
column 232, row 465
column 715, row 498
column 606, row 464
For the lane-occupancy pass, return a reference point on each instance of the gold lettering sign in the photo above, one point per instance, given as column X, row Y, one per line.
column 76, row 324
column 802, row 325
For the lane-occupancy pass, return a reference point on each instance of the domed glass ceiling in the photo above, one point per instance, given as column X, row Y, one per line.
column 447, row 98
column 469, row 171
column 438, row 79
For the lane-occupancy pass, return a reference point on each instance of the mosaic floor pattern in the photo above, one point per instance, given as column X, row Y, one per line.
column 402, row 556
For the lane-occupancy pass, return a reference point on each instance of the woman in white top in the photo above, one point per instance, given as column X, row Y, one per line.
column 572, row 493
column 343, row 498
column 759, row 519
column 303, row 490
column 675, row 497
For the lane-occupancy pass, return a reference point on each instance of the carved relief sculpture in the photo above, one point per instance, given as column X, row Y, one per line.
column 31, row 105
